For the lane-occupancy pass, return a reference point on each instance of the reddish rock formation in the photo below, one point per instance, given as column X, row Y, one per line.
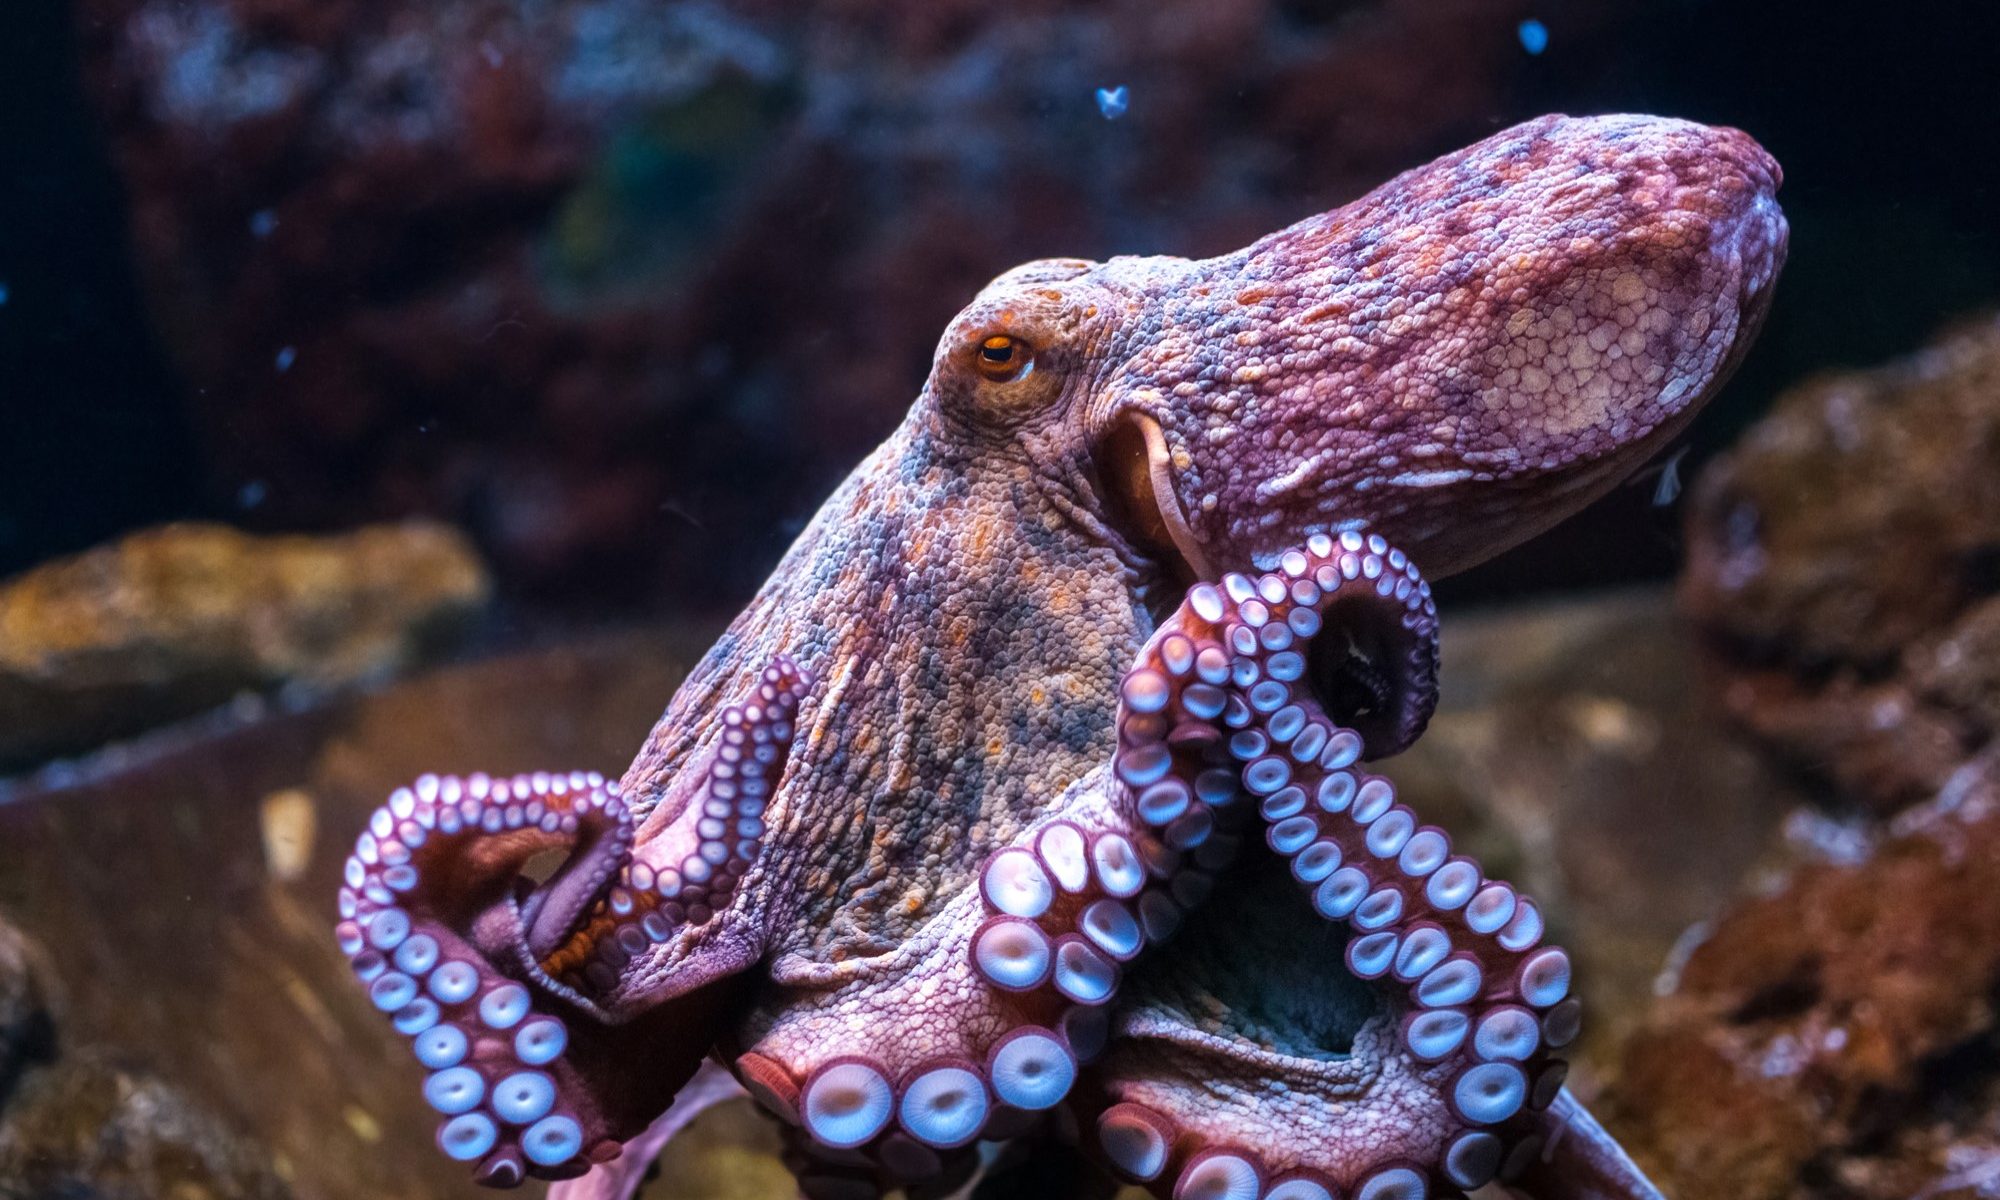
column 1837, row 1036
column 1843, row 561
column 566, row 273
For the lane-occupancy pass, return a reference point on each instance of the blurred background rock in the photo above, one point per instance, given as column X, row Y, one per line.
column 168, row 622
column 622, row 287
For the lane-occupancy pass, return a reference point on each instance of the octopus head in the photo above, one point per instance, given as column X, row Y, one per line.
column 1456, row 361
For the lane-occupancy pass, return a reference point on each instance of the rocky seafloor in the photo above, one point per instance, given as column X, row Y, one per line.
column 1764, row 812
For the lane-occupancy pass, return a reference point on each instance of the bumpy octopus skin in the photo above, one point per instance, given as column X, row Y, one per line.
column 901, row 849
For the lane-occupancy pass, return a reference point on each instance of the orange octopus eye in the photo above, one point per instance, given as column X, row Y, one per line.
column 1004, row 359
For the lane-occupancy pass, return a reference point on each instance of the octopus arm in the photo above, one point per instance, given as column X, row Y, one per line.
column 556, row 1021
column 621, row 1177
column 1580, row 1161
column 1362, row 1013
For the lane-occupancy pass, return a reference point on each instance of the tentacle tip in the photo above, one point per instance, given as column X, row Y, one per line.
column 770, row 1084
column 501, row 1170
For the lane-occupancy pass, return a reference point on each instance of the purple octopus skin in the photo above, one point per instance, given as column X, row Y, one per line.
column 898, row 849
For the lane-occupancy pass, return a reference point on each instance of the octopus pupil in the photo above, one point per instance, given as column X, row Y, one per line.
column 997, row 354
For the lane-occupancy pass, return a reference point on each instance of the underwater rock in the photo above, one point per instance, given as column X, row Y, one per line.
column 89, row 1129
column 1838, row 1037
column 179, row 888
column 82, row 1125
column 503, row 263
column 171, row 621
column 1842, row 560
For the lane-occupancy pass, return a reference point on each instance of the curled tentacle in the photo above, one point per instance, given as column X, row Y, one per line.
column 494, row 981
column 982, row 1020
column 1474, row 1004
column 431, row 926
column 1060, row 913
column 890, row 1067
column 1375, row 664
column 651, row 901
column 622, row 1178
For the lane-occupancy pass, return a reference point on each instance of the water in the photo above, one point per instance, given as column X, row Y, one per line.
column 609, row 295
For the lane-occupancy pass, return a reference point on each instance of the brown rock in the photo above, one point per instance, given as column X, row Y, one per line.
column 93, row 1131
column 1840, row 562
column 1955, row 671
column 171, row 621
column 1575, row 753
column 83, row 1126
column 1836, row 1037
column 1832, row 1039
column 1949, row 1149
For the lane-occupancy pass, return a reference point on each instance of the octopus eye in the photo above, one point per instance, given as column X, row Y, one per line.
column 1004, row 359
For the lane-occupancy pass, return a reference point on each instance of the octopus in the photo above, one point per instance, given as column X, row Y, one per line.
column 1033, row 791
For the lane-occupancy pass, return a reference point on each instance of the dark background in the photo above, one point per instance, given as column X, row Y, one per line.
column 124, row 386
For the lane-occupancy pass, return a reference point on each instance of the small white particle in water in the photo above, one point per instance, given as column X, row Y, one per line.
column 1113, row 101
column 4, row 293
column 1534, row 36
column 262, row 222
column 286, row 357
column 492, row 54
column 251, row 494
column 364, row 1126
